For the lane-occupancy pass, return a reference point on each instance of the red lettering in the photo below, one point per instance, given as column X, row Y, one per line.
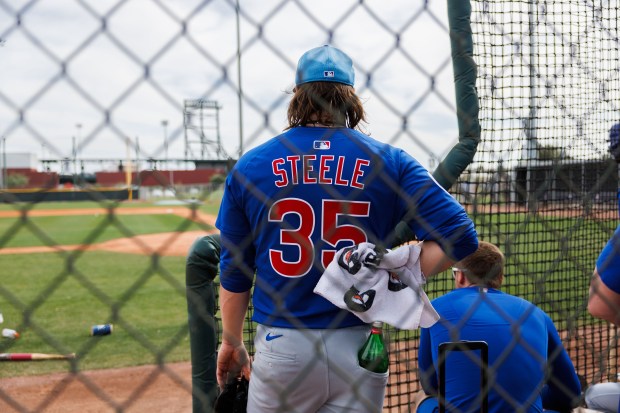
column 358, row 173
column 324, row 168
column 294, row 159
column 339, row 171
column 277, row 170
column 308, row 168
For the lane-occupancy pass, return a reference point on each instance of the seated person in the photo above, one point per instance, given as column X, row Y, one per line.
column 604, row 303
column 529, row 369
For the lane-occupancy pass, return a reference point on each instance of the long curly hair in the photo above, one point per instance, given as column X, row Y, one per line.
column 327, row 103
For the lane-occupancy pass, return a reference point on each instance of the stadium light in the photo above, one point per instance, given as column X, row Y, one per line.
column 164, row 123
column 3, row 176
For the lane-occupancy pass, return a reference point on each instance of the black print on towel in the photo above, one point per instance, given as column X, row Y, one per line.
column 395, row 284
column 357, row 301
column 352, row 259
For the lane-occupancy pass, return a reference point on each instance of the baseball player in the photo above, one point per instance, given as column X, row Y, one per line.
column 604, row 303
column 288, row 206
column 614, row 150
column 529, row 367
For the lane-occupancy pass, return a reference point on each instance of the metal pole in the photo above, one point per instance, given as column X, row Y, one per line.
column 530, row 130
column 3, row 182
column 138, row 166
column 76, row 143
column 164, row 123
column 74, row 156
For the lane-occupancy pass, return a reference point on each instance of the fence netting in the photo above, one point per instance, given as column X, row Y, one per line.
column 91, row 86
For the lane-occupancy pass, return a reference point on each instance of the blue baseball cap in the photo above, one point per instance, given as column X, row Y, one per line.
column 325, row 64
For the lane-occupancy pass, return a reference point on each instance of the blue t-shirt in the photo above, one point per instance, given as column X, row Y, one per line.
column 524, row 346
column 294, row 201
column 608, row 263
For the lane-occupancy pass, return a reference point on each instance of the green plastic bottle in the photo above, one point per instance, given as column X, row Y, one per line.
column 373, row 355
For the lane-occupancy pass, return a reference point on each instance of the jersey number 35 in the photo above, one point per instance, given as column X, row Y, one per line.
column 301, row 237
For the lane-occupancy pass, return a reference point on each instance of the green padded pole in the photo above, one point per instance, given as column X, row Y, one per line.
column 465, row 72
column 201, row 268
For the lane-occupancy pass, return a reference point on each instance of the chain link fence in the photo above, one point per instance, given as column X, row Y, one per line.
column 135, row 86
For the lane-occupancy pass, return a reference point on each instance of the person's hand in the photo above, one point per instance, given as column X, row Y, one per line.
column 232, row 361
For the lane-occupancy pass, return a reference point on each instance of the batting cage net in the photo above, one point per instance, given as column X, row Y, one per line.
column 120, row 120
column 544, row 182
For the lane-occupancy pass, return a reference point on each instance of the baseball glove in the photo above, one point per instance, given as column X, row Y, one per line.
column 234, row 397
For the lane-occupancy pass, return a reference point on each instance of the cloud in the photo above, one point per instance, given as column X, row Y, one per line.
column 119, row 69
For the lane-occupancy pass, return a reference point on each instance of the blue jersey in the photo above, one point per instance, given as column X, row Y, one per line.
column 608, row 263
column 524, row 346
column 294, row 201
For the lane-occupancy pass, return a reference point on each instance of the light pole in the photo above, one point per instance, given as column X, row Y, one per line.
column 76, row 142
column 3, row 183
column 164, row 123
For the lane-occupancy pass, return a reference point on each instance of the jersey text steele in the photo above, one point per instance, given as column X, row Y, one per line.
column 313, row 169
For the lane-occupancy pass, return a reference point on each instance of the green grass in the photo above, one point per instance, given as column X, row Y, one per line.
column 54, row 299
column 209, row 205
column 77, row 229
column 74, row 205
column 549, row 259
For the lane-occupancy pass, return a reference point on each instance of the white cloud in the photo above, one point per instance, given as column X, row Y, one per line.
column 189, row 49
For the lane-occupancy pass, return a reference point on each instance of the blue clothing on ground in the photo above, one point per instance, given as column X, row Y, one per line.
column 294, row 201
column 608, row 263
column 524, row 347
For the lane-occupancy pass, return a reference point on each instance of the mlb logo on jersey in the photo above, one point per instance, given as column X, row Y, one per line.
column 329, row 73
column 323, row 145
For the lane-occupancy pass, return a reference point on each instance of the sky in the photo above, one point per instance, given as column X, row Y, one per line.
column 105, row 76
column 109, row 79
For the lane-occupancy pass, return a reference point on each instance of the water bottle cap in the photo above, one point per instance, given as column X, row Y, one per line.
column 377, row 324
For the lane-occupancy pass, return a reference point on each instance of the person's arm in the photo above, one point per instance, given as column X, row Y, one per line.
column 432, row 214
column 563, row 388
column 603, row 302
column 237, row 267
column 433, row 259
column 232, row 357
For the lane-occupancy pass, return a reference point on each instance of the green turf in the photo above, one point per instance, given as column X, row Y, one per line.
column 89, row 229
column 209, row 205
column 54, row 299
column 74, row 205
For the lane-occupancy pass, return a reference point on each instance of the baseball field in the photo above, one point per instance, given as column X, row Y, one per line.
column 67, row 267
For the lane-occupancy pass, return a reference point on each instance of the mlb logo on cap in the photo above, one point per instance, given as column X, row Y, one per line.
column 325, row 64
column 322, row 145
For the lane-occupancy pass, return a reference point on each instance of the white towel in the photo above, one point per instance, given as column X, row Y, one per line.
column 379, row 287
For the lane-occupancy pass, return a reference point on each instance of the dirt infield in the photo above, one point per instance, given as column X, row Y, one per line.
column 133, row 389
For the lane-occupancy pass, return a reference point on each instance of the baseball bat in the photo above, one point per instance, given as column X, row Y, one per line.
column 34, row 356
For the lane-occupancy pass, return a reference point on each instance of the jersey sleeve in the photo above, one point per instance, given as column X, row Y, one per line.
column 608, row 263
column 237, row 258
column 433, row 214
column 563, row 389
